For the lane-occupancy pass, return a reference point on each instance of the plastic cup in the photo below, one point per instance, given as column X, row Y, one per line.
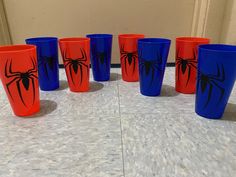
column 128, row 44
column 76, row 58
column 153, row 54
column 186, row 63
column 101, row 47
column 47, row 52
column 19, row 76
column 215, row 80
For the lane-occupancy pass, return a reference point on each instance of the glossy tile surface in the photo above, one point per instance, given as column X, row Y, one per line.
column 113, row 130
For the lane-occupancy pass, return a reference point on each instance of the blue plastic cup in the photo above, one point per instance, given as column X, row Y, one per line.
column 152, row 56
column 215, row 80
column 100, row 47
column 47, row 54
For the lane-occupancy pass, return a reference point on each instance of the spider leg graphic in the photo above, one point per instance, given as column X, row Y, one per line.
column 67, row 60
column 46, row 70
column 134, row 60
column 19, row 91
column 198, row 81
column 189, row 72
column 107, row 63
column 8, row 84
column 34, row 69
column 70, row 69
column 218, row 78
column 32, row 79
column 84, row 57
column 191, row 64
column 159, row 57
column 9, row 73
column 81, row 73
column 67, row 64
column 125, row 64
column 177, row 69
column 192, row 60
column 221, row 89
column 85, row 66
column 209, row 95
column 34, row 76
column 152, row 75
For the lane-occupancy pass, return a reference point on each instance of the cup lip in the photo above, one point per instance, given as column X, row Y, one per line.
column 99, row 35
column 192, row 39
column 131, row 35
column 154, row 41
column 218, row 48
column 16, row 48
column 41, row 39
column 74, row 39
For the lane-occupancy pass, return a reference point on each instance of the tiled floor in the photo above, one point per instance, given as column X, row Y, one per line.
column 113, row 131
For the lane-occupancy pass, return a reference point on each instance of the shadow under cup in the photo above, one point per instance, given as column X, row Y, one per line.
column 215, row 80
column 19, row 76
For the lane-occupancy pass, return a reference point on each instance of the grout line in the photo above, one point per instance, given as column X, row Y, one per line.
column 122, row 142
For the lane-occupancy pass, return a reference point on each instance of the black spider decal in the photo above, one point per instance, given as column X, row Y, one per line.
column 100, row 56
column 150, row 65
column 76, row 64
column 129, row 57
column 46, row 62
column 186, row 63
column 211, row 81
column 24, row 78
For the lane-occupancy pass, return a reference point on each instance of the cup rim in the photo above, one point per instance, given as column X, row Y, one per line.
column 218, row 47
column 74, row 39
column 16, row 48
column 154, row 41
column 192, row 39
column 131, row 35
column 41, row 39
column 99, row 35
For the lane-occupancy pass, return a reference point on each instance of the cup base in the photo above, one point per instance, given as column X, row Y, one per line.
column 102, row 80
column 208, row 116
column 185, row 92
column 150, row 94
column 79, row 90
column 50, row 89
column 130, row 80
column 27, row 115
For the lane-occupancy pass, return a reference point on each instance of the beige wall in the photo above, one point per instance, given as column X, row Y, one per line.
column 215, row 17
column 62, row 18
column 4, row 30
column 228, row 34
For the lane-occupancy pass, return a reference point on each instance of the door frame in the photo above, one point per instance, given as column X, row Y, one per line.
column 208, row 18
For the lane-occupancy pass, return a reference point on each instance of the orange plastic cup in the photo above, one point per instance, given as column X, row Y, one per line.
column 186, row 63
column 19, row 75
column 129, row 56
column 76, row 58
